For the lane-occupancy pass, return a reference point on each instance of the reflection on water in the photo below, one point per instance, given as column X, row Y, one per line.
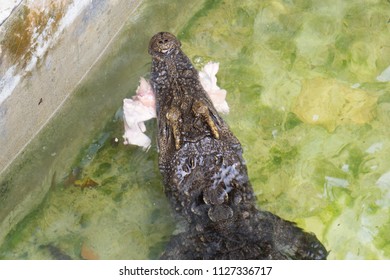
column 305, row 104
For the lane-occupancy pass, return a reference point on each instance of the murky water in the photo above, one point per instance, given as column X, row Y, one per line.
column 305, row 104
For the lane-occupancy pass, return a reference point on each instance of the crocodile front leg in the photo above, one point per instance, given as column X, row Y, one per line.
column 201, row 110
column 174, row 119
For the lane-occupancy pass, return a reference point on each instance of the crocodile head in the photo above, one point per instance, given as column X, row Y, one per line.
column 163, row 43
column 185, row 113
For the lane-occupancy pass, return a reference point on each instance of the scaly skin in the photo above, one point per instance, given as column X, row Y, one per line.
column 205, row 175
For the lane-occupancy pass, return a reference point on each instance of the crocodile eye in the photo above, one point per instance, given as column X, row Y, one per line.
column 191, row 162
column 218, row 159
column 186, row 168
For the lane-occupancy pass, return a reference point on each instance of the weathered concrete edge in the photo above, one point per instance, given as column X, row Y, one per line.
column 39, row 95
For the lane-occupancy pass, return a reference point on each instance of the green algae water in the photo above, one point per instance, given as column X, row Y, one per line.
column 305, row 103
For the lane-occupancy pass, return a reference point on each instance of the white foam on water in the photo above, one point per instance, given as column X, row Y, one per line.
column 376, row 147
column 384, row 185
column 384, row 76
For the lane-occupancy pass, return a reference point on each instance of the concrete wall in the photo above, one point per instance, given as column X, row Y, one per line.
column 47, row 49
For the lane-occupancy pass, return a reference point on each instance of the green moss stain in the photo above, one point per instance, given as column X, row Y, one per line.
column 20, row 40
column 355, row 161
column 18, row 37
column 382, row 239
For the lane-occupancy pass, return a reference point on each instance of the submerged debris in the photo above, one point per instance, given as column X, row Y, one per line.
column 74, row 175
column 87, row 253
column 329, row 103
column 55, row 252
column 384, row 76
column 85, row 183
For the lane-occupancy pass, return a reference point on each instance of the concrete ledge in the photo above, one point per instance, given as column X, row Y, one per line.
column 38, row 81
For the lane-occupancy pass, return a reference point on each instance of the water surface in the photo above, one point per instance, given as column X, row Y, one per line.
column 305, row 104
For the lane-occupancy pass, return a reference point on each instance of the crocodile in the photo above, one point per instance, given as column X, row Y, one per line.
column 205, row 176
